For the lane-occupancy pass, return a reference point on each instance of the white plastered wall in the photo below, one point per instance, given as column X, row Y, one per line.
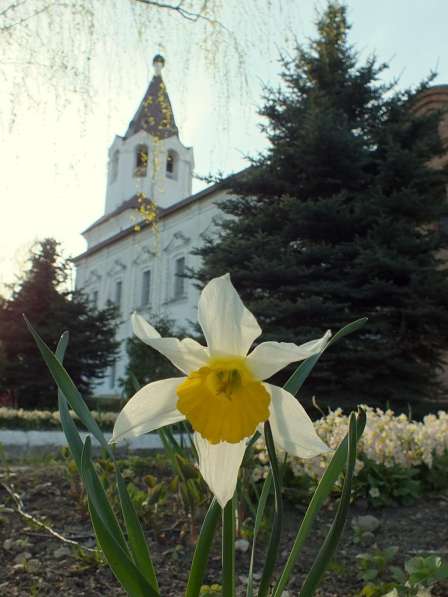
column 155, row 249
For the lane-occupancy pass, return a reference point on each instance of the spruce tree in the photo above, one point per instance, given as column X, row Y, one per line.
column 42, row 294
column 335, row 221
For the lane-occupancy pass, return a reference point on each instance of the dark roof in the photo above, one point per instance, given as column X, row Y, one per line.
column 134, row 203
column 155, row 114
column 432, row 98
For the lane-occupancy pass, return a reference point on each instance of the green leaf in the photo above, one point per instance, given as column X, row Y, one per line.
column 117, row 557
column 71, row 433
column 329, row 545
column 68, row 388
column 134, row 381
column 202, row 550
column 62, row 346
column 171, row 452
column 297, row 379
column 187, row 431
column 93, row 485
column 124, row 570
column 397, row 574
column 320, row 495
column 228, row 549
column 106, row 522
column 266, row 490
column 136, row 537
column 174, row 444
column 370, row 574
column 274, row 539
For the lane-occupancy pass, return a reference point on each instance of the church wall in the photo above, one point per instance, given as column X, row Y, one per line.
column 152, row 249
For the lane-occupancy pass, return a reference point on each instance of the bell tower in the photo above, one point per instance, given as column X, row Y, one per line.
column 150, row 160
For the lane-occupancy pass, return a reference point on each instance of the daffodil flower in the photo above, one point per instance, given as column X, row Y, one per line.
column 223, row 394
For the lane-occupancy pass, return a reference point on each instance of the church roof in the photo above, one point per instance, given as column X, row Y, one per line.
column 155, row 114
column 133, row 203
column 432, row 98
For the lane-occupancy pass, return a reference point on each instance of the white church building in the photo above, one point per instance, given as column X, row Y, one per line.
column 133, row 259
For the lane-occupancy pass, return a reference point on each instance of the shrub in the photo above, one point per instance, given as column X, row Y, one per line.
column 11, row 418
column 398, row 458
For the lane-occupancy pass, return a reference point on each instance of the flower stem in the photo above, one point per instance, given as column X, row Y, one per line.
column 228, row 549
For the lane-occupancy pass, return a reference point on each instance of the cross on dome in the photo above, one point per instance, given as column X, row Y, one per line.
column 158, row 63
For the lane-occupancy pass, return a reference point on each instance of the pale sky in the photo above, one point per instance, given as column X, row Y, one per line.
column 54, row 138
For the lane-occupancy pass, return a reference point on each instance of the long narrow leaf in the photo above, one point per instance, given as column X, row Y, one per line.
column 299, row 376
column 68, row 388
column 202, row 550
column 93, row 485
column 329, row 546
column 136, row 537
column 228, row 549
column 171, row 452
column 274, row 540
column 323, row 490
column 189, row 435
column 118, row 558
column 243, row 493
column 122, row 567
column 138, row 545
column 62, row 346
column 174, row 443
column 266, row 490
column 134, row 381
column 71, row 433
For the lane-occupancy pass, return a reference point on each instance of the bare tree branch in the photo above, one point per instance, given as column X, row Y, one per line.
column 183, row 12
column 13, row 7
column 19, row 507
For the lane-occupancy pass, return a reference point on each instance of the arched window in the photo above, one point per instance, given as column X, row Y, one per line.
column 141, row 160
column 114, row 165
column 179, row 277
column 171, row 164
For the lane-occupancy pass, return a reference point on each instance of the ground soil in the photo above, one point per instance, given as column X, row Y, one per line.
column 33, row 562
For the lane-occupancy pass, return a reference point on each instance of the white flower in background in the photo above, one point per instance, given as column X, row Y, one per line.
column 223, row 395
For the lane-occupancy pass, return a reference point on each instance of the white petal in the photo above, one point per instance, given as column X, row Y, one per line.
column 187, row 355
column 269, row 357
column 219, row 465
column 228, row 326
column 151, row 407
column 292, row 429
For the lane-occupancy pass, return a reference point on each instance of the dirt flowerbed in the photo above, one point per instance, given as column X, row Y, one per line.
column 34, row 562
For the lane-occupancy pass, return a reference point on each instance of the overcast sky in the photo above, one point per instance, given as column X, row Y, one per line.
column 53, row 150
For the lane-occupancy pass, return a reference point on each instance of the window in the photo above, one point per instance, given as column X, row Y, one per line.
column 118, row 292
column 179, row 280
column 146, row 287
column 94, row 299
column 141, row 160
column 171, row 164
column 114, row 165
column 113, row 375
